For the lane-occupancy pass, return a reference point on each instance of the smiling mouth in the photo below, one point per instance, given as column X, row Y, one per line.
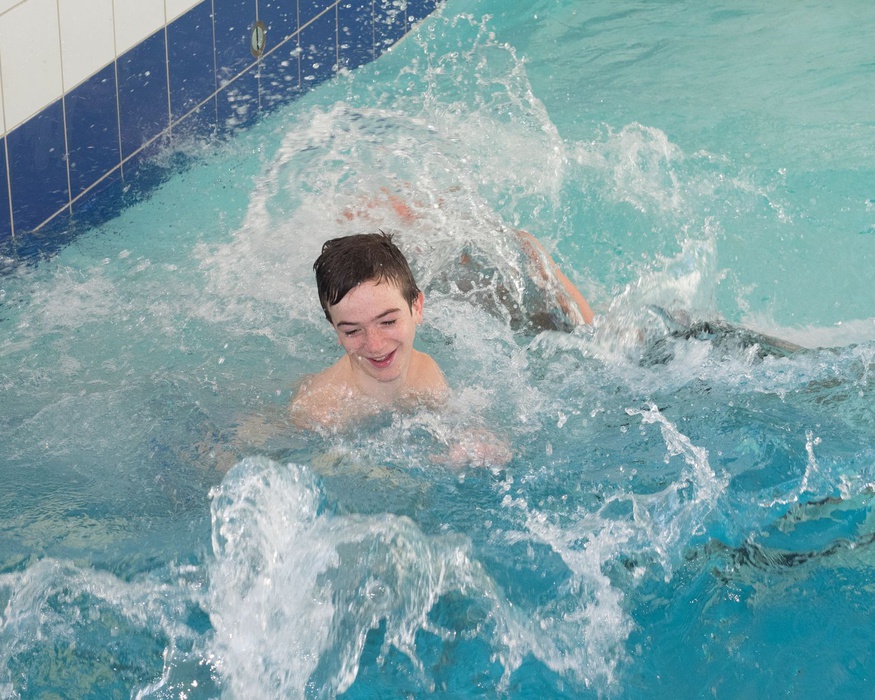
column 381, row 362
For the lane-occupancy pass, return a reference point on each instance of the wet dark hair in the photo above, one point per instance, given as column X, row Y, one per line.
column 349, row 261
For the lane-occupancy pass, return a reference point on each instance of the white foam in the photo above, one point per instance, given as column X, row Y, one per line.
column 295, row 589
column 843, row 333
column 64, row 604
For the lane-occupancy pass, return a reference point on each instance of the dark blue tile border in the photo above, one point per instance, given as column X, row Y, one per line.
column 191, row 60
column 281, row 19
column 319, row 50
column 201, row 123
column 102, row 202
column 233, row 30
column 151, row 167
column 144, row 104
column 38, row 168
column 42, row 242
column 237, row 104
column 418, row 10
column 355, row 33
column 280, row 74
column 390, row 24
column 310, row 9
column 92, row 130
column 89, row 155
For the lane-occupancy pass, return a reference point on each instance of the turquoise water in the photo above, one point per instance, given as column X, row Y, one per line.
column 682, row 517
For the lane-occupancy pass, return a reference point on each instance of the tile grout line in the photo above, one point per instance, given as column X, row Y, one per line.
column 167, row 73
column 298, row 38
column 64, row 110
column 39, row 110
column 257, row 60
column 118, row 106
column 215, row 65
column 6, row 162
column 123, row 160
column 120, row 166
column 332, row 6
column 9, row 9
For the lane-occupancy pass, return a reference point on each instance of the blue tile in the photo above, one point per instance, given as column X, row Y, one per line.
column 318, row 50
column 38, row 168
column 148, row 169
column 280, row 73
column 191, row 60
column 309, row 9
column 5, row 220
column 101, row 203
column 199, row 124
column 32, row 246
column 418, row 10
column 233, row 21
column 92, row 130
column 238, row 104
column 355, row 33
column 281, row 19
column 389, row 25
column 142, row 93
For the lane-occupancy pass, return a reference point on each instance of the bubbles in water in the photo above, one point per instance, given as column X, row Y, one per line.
column 79, row 631
column 296, row 589
column 644, row 451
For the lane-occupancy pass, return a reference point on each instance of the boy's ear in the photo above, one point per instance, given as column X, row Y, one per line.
column 416, row 309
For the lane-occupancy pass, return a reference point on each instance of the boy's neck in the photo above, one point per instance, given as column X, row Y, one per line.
column 385, row 393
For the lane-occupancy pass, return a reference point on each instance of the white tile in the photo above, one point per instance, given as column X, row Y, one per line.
column 176, row 8
column 87, row 42
column 30, row 58
column 136, row 20
column 2, row 119
column 8, row 5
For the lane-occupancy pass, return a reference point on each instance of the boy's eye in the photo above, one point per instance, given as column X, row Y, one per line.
column 390, row 322
column 351, row 333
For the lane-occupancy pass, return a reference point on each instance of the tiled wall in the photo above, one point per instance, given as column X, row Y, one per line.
column 89, row 89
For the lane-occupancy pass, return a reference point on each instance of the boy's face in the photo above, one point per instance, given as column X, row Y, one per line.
column 376, row 328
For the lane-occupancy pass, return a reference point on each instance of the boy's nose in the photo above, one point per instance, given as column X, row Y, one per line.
column 373, row 341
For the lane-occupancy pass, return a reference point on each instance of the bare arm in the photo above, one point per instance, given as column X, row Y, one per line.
column 538, row 253
column 575, row 294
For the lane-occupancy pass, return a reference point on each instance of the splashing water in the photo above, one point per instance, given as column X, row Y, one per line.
column 688, row 509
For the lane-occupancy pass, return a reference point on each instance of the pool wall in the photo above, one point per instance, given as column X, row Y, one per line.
column 92, row 90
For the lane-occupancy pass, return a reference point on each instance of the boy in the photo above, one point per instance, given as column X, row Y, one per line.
column 369, row 296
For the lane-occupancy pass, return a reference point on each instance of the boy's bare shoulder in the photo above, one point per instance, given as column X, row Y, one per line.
column 328, row 401
column 320, row 400
column 429, row 380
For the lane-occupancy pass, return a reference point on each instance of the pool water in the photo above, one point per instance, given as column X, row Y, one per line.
column 684, row 515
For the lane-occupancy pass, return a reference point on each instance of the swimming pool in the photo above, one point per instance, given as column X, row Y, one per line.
column 682, row 517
